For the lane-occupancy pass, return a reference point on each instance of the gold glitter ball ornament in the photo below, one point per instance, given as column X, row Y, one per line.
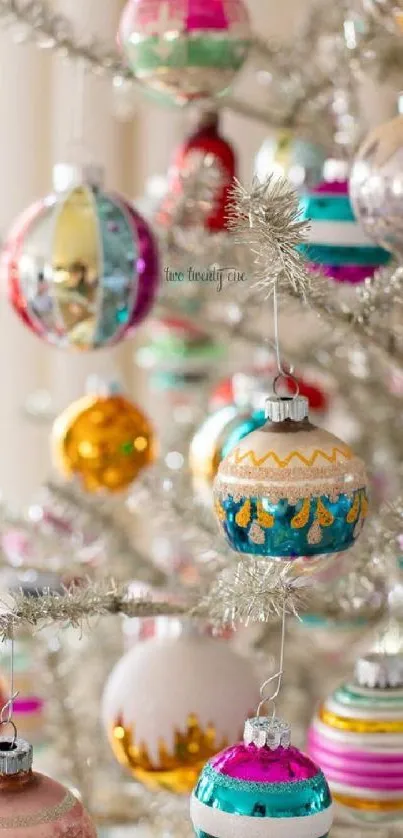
column 172, row 703
column 104, row 440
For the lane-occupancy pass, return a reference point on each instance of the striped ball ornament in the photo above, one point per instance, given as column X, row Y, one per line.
column 357, row 739
column 337, row 245
column 262, row 787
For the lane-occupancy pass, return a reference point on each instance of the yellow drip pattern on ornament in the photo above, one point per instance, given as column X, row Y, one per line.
column 219, row 510
column 352, row 516
column 176, row 770
column 244, row 515
column 264, row 519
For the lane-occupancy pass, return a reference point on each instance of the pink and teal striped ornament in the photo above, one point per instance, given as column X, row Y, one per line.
column 357, row 739
column 338, row 246
column 185, row 50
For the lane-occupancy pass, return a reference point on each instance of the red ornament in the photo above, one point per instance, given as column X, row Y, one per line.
column 206, row 140
column 223, row 393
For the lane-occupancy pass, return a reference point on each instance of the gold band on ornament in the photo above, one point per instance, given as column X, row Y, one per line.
column 43, row 816
column 359, row 725
column 368, row 805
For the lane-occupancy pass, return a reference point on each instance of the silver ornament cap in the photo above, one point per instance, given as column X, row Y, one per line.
column 379, row 671
column 267, row 732
column 280, row 408
column 16, row 756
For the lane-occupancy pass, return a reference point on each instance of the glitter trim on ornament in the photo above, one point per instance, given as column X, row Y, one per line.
column 176, row 770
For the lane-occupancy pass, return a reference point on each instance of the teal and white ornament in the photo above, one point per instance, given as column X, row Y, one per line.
column 262, row 787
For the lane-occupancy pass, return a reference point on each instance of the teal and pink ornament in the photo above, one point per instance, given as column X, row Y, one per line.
column 185, row 50
column 290, row 490
column 357, row 739
column 338, row 246
column 262, row 787
column 224, row 428
column 82, row 265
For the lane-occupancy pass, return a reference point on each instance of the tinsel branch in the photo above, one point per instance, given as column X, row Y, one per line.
column 266, row 219
column 76, row 606
column 253, row 592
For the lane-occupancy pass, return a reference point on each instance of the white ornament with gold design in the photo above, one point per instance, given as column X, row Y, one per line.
column 290, row 489
column 173, row 702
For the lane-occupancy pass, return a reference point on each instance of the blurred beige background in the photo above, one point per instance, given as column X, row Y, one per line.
column 38, row 103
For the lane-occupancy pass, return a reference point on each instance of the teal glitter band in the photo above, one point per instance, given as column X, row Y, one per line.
column 225, row 781
column 279, row 800
column 347, row 695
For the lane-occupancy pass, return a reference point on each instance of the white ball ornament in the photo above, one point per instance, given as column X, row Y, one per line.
column 171, row 703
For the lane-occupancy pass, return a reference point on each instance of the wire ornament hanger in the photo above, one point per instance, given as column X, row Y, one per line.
column 7, row 711
column 278, row 676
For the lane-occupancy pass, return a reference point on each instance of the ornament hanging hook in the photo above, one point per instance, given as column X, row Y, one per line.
column 6, row 713
column 282, row 374
column 278, row 676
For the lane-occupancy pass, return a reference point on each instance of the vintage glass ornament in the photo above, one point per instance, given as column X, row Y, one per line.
column 357, row 739
column 226, row 427
column 33, row 805
column 185, row 50
column 337, row 244
column 291, row 489
column 204, row 144
column 376, row 185
column 262, row 787
column 82, row 265
column 104, row 440
column 178, row 353
column 293, row 157
column 173, row 702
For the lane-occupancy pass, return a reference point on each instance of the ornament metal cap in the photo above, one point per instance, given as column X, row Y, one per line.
column 267, row 732
column 67, row 176
column 16, row 756
column 280, row 408
column 379, row 671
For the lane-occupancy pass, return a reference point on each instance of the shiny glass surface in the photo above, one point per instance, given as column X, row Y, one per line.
column 283, row 539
